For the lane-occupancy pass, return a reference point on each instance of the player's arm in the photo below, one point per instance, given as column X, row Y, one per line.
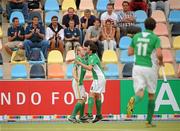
column 130, row 51
column 87, row 67
column 159, row 56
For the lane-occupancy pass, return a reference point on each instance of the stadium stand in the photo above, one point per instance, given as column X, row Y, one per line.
column 41, row 60
column 49, row 15
column 70, row 55
column 51, row 5
column 167, row 56
column 37, row 72
column 124, row 58
column 111, row 71
column 175, row 29
column 118, row 5
column 169, row 70
column 140, row 16
column 159, row 16
column 56, row 71
column 174, row 16
column 176, row 42
column 86, row 4
column 55, row 57
column 161, row 29
column 19, row 71
column 165, row 43
column 69, row 70
column 178, row 56
column 109, row 56
column 101, row 5
column 127, row 70
column 124, row 43
column 66, row 5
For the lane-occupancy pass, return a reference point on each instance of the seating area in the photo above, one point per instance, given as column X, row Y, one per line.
column 116, row 63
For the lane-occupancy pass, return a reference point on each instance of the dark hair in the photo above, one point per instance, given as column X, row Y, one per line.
column 15, row 18
column 125, row 2
column 71, row 20
column 35, row 17
column 108, row 20
column 150, row 23
column 93, row 46
column 86, row 43
column 110, row 4
column 54, row 17
column 97, row 19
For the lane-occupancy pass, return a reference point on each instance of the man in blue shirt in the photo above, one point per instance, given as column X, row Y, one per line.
column 72, row 36
column 35, row 38
column 15, row 36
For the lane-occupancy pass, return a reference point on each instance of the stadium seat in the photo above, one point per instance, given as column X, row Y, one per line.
column 51, row 5
column 125, row 42
column 69, row 70
column 55, row 57
column 42, row 61
column 49, row 15
column 32, row 14
column 127, row 70
column 167, row 56
column 165, row 43
column 174, row 4
column 141, row 25
column 101, row 5
column 176, row 42
column 111, row 71
column 1, row 59
column 18, row 71
column 159, row 16
column 17, row 62
column 66, row 5
column 70, row 55
column 118, row 5
column 161, row 29
column 169, row 70
column 124, row 58
column 86, row 4
column 1, row 32
column 1, row 73
column 109, row 56
column 140, row 16
column 174, row 16
column 55, row 71
column 175, row 29
column 178, row 56
column 37, row 71
column 19, row 15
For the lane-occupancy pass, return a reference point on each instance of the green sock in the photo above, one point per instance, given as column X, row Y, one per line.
column 151, row 106
column 76, row 109
column 98, row 107
column 90, row 105
column 82, row 110
column 137, row 99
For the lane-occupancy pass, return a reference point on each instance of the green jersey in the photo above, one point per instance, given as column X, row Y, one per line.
column 80, row 70
column 97, row 71
column 144, row 44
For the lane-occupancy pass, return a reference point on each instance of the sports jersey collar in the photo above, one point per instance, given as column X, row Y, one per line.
column 150, row 31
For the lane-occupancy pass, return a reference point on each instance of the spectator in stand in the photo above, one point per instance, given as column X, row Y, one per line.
column 17, row 4
column 35, row 38
column 126, row 20
column 93, row 34
column 15, row 36
column 55, row 35
column 34, row 4
column 160, row 5
column 109, row 14
column 86, row 21
column 71, row 36
column 108, row 34
column 70, row 16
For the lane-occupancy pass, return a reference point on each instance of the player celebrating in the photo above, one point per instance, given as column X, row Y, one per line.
column 143, row 46
column 98, row 84
column 78, row 87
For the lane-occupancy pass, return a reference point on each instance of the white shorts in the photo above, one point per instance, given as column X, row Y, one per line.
column 79, row 91
column 145, row 77
column 98, row 86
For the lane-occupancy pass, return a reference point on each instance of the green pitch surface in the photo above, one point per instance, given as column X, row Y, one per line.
column 101, row 126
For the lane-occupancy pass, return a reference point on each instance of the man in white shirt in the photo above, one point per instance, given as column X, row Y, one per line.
column 55, row 34
column 109, row 14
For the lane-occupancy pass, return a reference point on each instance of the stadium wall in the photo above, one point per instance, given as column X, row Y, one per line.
column 54, row 100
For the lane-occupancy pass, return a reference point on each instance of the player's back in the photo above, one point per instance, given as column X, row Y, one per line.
column 144, row 43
